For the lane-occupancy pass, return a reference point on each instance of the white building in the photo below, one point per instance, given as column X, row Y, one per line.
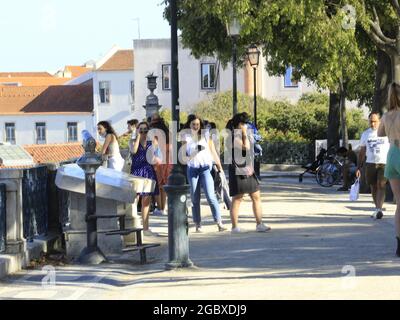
column 45, row 115
column 199, row 78
column 113, row 88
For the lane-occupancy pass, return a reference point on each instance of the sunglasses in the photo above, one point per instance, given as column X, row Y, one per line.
column 143, row 130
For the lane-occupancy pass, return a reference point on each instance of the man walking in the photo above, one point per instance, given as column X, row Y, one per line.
column 374, row 152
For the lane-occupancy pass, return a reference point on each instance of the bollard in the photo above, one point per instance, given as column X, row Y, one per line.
column 90, row 162
column 178, row 225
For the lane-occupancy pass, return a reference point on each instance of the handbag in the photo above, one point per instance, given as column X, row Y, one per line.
column 355, row 190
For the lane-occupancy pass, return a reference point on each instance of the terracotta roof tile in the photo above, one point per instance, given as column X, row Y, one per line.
column 54, row 153
column 33, row 81
column 121, row 60
column 24, row 74
column 77, row 71
column 52, row 99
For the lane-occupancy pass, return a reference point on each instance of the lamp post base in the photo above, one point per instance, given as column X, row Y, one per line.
column 91, row 256
column 173, row 265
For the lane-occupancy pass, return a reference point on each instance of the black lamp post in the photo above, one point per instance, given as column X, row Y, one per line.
column 253, row 55
column 233, row 29
column 177, row 189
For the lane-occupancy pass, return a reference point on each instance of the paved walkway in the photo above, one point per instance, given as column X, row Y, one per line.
column 321, row 247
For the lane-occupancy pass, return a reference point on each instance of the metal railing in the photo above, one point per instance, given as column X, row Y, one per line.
column 3, row 228
column 35, row 202
column 292, row 153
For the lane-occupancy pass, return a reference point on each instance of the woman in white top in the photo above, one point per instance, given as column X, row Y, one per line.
column 390, row 127
column 201, row 154
column 110, row 150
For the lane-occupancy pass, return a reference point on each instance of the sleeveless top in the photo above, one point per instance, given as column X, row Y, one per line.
column 113, row 149
column 199, row 150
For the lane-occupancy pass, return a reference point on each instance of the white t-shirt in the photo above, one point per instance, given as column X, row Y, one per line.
column 377, row 147
column 201, row 158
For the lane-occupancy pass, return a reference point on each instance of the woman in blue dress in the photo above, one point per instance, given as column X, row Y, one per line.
column 142, row 167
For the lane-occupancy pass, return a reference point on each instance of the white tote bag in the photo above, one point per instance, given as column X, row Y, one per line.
column 355, row 190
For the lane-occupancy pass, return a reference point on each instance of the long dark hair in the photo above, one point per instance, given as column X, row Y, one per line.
column 394, row 100
column 109, row 129
column 192, row 117
column 239, row 118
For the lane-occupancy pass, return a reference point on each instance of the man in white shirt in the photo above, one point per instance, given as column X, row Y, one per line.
column 374, row 152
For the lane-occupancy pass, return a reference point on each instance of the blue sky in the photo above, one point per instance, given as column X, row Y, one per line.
column 45, row 35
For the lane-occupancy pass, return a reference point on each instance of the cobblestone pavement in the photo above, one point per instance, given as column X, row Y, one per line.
column 321, row 246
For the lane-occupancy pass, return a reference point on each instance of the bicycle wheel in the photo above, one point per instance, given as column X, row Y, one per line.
column 327, row 175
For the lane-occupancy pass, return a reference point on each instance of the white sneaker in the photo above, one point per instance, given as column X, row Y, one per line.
column 378, row 214
column 262, row 228
column 236, row 230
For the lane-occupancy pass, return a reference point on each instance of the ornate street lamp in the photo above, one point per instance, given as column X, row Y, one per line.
column 152, row 106
column 253, row 55
column 233, row 30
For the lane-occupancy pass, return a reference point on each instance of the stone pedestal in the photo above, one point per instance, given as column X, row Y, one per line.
column 15, row 242
column 132, row 220
column 75, row 235
column 115, row 195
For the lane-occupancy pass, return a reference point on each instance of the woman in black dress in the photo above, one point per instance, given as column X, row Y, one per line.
column 242, row 178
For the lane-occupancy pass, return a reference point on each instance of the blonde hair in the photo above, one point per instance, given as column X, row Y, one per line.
column 394, row 100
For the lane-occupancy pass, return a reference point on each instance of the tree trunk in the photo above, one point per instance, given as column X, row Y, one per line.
column 333, row 120
column 343, row 117
column 383, row 79
column 396, row 68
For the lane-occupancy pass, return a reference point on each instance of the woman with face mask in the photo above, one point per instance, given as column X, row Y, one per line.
column 142, row 167
column 110, row 151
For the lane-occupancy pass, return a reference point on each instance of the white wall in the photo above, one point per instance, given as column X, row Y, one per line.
column 150, row 55
column 273, row 88
column 56, row 127
column 119, row 110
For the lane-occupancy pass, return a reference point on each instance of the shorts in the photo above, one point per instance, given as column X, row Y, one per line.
column 375, row 174
column 392, row 169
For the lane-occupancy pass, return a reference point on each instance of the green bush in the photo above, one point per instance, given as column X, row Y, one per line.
column 167, row 115
column 280, row 121
column 123, row 142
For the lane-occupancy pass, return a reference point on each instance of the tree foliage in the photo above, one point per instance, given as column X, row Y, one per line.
column 307, row 34
column 282, row 120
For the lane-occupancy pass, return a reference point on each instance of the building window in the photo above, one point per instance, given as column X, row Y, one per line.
column 208, row 75
column 11, row 84
column 132, row 91
column 289, row 82
column 72, row 131
column 104, row 91
column 166, row 77
column 40, row 133
column 10, row 133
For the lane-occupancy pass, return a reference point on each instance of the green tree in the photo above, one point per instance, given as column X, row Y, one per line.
column 380, row 20
column 307, row 34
